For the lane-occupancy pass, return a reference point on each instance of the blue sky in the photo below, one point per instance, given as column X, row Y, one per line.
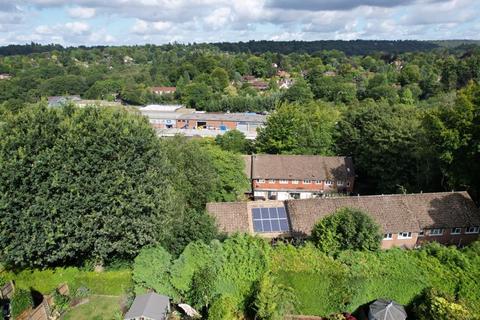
column 92, row 22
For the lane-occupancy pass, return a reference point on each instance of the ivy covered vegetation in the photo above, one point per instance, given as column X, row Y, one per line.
column 245, row 275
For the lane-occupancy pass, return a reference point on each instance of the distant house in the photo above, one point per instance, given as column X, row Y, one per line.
column 5, row 76
column 255, row 83
column 282, row 177
column 163, row 90
column 150, row 306
column 406, row 220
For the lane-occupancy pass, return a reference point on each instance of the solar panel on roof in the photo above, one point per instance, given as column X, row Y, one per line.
column 270, row 220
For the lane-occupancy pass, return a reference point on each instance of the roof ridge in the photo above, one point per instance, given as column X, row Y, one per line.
column 384, row 195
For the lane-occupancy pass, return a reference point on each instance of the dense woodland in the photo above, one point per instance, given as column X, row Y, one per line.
column 95, row 186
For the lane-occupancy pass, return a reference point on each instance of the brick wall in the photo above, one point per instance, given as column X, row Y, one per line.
column 403, row 243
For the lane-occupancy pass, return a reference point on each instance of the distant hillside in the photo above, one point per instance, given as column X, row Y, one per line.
column 354, row 47
column 455, row 43
column 25, row 49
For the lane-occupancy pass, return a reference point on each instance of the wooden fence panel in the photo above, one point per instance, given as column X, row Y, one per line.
column 7, row 291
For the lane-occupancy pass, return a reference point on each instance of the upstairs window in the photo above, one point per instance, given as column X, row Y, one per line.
column 339, row 183
column 456, row 231
column 387, row 236
column 261, row 180
column 471, row 230
column 306, row 181
column 295, row 181
column 421, row 233
column 318, row 182
column 405, row 235
column 271, row 181
column 436, row 232
column 328, row 182
column 283, row 181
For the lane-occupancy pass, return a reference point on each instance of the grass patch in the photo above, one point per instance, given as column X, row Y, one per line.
column 98, row 308
column 45, row 281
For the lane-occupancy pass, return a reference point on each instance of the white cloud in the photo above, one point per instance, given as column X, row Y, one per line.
column 81, row 12
column 218, row 18
column 77, row 27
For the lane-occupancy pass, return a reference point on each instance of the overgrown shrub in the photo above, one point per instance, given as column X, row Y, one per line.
column 346, row 229
column 61, row 302
column 435, row 305
column 21, row 301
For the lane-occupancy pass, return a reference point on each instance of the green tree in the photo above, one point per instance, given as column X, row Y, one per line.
column 151, row 271
column 294, row 129
column 196, row 94
column 81, row 183
column 384, row 142
column 299, row 92
column 233, row 141
column 219, row 79
column 346, row 229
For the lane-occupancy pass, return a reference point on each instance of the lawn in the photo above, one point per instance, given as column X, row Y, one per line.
column 45, row 281
column 98, row 308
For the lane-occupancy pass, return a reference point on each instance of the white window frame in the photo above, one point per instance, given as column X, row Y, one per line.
column 328, row 182
column 295, row 182
column 318, row 182
column 271, row 181
column 306, row 181
column 421, row 233
column 401, row 235
column 436, row 232
column 261, row 180
column 339, row 183
column 388, row 236
column 456, row 231
column 283, row 181
column 475, row 230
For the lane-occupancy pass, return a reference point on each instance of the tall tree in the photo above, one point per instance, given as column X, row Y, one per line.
column 80, row 184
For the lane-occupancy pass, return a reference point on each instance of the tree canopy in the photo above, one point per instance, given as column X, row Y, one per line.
column 346, row 229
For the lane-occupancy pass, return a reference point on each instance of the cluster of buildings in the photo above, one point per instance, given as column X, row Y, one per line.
column 255, row 83
column 292, row 193
column 170, row 120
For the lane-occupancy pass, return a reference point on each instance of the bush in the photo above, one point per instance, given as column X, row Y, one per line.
column 61, row 302
column 346, row 229
column 435, row 305
column 21, row 301
column 151, row 270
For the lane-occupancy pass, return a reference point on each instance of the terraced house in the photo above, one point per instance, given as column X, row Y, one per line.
column 406, row 220
column 282, row 177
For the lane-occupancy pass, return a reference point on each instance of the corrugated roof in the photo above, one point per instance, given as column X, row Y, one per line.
column 237, row 117
column 301, row 167
column 151, row 305
column 394, row 213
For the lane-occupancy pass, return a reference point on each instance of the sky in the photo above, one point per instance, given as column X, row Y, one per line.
column 120, row 22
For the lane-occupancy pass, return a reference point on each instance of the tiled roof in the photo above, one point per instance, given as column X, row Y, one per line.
column 394, row 213
column 230, row 217
column 301, row 167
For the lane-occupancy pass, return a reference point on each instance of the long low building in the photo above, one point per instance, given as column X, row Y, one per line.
column 406, row 220
column 173, row 119
column 283, row 177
